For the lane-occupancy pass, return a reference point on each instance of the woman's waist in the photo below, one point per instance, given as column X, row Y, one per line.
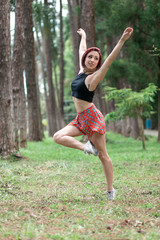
column 81, row 105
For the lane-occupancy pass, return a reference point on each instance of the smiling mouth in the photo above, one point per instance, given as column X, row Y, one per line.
column 91, row 64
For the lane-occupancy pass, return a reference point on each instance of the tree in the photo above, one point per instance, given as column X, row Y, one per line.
column 132, row 104
column 52, row 113
column 17, row 67
column 73, row 6
column 7, row 145
column 34, row 118
column 88, row 21
column 23, row 116
column 159, row 100
column 39, row 46
column 61, row 94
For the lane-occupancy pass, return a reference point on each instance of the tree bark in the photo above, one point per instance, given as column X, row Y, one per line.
column 30, row 70
column 52, row 113
column 73, row 6
column 7, row 146
column 17, row 63
column 158, row 100
column 44, row 74
column 39, row 104
column 142, row 128
column 23, row 116
column 88, row 21
column 61, row 95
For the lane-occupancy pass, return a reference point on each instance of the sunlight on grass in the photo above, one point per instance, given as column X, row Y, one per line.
column 60, row 193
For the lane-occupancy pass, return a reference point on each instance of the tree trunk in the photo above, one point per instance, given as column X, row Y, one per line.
column 44, row 75
column 52, row 114
column 38, row 103
column 73, row 6
column 61, row 95
column 6, row 96
column 30, row 70
column 23, row 116
column 142, row 129
column 17, row 63
column 158, row 100
column 88, row 21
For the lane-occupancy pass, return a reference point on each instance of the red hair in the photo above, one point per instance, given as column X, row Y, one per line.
column 89, row 50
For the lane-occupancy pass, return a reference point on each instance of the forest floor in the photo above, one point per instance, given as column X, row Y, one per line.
column 60, row 193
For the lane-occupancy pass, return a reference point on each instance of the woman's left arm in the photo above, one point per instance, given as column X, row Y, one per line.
column 82, row 46
column 99, row 75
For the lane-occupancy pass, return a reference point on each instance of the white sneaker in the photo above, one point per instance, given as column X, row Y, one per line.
column 90, row 148
column 111, row 195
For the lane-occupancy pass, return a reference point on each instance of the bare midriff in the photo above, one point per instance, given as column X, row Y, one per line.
column 81, row 105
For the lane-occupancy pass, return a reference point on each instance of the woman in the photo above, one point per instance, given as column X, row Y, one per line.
column 89, row 120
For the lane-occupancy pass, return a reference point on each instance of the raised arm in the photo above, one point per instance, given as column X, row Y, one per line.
column 82, row 46
column 99, row 75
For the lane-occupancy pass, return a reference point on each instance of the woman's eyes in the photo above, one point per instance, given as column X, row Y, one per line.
column 90, row 56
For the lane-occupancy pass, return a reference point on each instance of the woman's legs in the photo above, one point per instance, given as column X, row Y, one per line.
column 100, row 143
column 66, row 135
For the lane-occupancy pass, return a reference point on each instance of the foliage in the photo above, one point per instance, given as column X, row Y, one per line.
column 112, row 17
column 130, row 103
column 60, row 193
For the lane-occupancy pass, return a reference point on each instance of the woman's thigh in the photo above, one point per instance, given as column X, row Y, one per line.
column 99, row 140
column 71, row 131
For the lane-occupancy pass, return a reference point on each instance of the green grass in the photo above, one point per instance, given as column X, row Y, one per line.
column 60, row 193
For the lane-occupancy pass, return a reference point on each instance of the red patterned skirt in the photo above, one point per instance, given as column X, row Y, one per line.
column 89, row 121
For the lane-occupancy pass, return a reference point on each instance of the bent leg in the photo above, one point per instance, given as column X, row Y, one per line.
column 66, row 135
column 100, row 143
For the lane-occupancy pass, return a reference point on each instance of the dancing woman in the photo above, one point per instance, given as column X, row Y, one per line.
column 89, row 120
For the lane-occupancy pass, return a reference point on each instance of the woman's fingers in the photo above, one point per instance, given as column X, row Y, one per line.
column 129, row 30
column 127, row 33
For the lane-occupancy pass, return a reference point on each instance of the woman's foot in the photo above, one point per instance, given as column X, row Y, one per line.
column 111, row 195
column 89, row 148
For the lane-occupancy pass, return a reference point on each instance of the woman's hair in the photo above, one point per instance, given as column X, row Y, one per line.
column 89, row 50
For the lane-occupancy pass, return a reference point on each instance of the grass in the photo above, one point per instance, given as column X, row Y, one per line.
column 60, row 193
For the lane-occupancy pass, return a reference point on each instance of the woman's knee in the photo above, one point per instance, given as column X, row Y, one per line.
column 104, row 157
column 57, row 137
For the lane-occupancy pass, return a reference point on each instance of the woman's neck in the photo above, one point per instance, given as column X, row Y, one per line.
column 88, row 72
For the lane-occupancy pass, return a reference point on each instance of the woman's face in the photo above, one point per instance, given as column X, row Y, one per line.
column 92, row 60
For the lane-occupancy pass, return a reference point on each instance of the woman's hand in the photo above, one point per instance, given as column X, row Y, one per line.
column 82, row 46
column 127, row 33
column 81, row 32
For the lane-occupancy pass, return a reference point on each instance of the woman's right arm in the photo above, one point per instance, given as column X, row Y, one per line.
column 82, row 46
column 99, row 75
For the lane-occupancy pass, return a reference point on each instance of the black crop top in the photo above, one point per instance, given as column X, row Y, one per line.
column 79, row 89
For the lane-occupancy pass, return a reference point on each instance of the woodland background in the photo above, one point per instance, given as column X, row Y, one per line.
column 36, row 69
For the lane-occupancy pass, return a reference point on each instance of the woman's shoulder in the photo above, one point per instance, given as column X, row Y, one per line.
column 82, row 74
column 79, row 76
